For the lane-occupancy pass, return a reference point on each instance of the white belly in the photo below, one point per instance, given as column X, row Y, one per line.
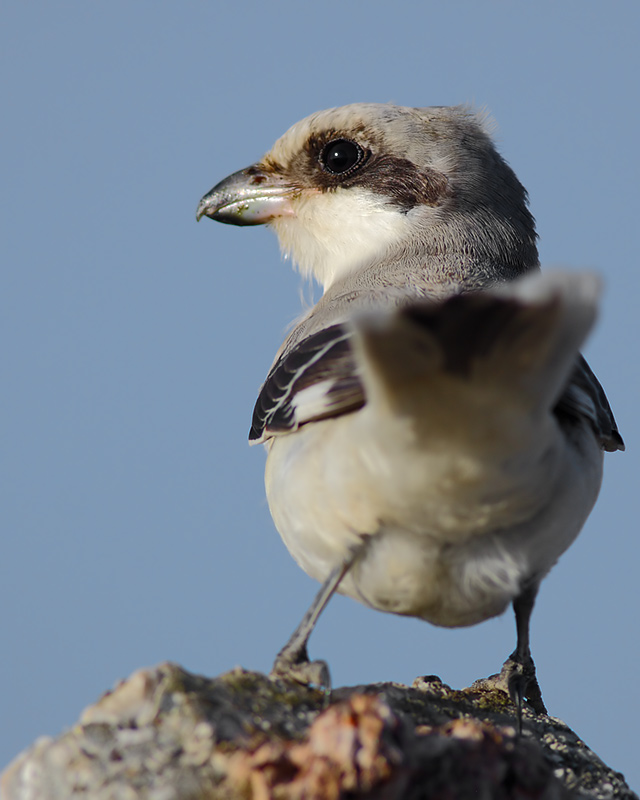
column 451, row 535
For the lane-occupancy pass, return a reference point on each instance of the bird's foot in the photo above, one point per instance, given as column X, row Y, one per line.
column 522, row 683
column 291, row 664
column 518, row 679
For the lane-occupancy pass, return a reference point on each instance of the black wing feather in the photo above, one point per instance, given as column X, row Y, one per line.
column 325, row 356
column 585, row 397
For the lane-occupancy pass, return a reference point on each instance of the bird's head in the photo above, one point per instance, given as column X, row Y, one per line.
column 365, row 183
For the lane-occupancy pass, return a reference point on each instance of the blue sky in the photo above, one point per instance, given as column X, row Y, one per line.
column 135, row 527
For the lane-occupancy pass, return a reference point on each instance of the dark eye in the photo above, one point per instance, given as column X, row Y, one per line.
column 341, row 156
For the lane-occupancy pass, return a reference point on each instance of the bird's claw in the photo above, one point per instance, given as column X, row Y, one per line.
column 521, row 683
column 518, row 680
column 298, row 668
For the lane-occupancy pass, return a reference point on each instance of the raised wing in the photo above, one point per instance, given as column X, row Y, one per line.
column 318, row 379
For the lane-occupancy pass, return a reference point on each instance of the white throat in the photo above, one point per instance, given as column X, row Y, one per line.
column 334, row 233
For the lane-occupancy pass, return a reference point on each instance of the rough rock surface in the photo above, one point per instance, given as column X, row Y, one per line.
column 165, row 734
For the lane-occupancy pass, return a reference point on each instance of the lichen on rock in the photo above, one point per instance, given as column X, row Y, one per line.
column 165, row 734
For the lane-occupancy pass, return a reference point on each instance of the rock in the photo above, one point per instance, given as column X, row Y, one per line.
column 165, row 734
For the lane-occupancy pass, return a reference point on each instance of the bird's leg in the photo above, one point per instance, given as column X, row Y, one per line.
column 519, row 669
column 293, row 660
column 518, row 674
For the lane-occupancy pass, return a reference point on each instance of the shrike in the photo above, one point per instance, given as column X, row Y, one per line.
column 435, row 439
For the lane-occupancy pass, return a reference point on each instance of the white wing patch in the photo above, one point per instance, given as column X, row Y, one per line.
column 312, row 402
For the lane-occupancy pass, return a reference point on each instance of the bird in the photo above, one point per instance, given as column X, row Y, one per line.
column 434, row 437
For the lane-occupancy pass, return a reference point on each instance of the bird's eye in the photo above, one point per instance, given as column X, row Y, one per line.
column 341, row 156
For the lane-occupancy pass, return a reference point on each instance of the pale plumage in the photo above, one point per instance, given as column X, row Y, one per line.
column 435, row 438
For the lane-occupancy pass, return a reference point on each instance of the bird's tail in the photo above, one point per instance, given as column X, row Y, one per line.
column 478, row 355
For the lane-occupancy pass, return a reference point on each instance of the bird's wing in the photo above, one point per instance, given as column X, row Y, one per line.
column 584, row 397
column 314, row 380
column 319, row 377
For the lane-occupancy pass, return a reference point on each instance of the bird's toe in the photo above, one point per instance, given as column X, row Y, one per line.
column 314, row 674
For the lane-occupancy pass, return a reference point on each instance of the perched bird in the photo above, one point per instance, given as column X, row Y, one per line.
column 435, row 439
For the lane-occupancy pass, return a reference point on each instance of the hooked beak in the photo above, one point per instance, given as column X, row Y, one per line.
column 251, row 196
